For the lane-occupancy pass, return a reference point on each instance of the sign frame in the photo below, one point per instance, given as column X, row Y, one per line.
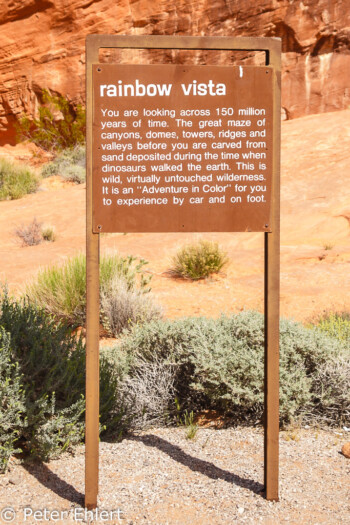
column 272, row 49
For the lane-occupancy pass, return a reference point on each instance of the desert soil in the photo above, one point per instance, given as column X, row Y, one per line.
column 315, row 227
column 161, row 477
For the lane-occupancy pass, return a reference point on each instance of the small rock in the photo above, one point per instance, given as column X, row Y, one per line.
column 14, row 480
column 240, row 510
column 346, row 450
column 4, row 481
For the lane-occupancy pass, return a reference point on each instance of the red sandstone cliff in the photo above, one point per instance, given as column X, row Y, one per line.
column 42, row 45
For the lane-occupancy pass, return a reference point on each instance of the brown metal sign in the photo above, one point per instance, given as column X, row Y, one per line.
column 182, row 148
column 169, row 112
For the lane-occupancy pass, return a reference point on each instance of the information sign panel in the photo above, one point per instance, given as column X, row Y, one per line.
column 182, row 148
column 148, row 100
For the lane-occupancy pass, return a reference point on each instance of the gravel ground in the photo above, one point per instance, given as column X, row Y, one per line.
column 160, row 477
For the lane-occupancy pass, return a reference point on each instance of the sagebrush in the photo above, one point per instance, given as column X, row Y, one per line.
column 69, row 164
column 198, row 260
column 12, row 402
column 42, row 365
column 124, row 304
column 148, row 391
column 219, row 364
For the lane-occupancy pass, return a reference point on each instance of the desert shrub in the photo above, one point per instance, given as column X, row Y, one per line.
column 56, row 432
column 218, row 364
column 61, row 289
column 30, row 235
column 75, row 174
column 47, row 352
column 331, row 386
column 69, row 164
column 51, row 364
column 198, row 260
column 59, row 125
column 123, row 304
column 16, row 181
column 12, row 406
column 148, row 391
column 48, row 233
column 336, row 324
column 35, row 233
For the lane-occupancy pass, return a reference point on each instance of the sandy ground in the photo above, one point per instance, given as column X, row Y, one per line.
column 160, row 477
column 315, row 240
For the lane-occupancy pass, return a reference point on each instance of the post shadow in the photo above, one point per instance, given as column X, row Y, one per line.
column 52, row 481
column 198, row 465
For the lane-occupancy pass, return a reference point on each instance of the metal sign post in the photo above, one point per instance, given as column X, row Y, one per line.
column 227, row 119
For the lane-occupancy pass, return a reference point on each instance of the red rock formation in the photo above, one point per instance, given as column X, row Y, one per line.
column 42, row 45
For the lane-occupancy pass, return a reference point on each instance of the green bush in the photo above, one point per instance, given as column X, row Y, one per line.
column 198, row 260
column 218, row 364
column 336, row 325
column 69, row 164
column 61, row 289
column 55, row 431
column 60, row 124
column 51, row 367
column 12, row 402
column 16, row 181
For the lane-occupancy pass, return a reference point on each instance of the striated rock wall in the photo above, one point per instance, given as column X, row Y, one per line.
column 42, row 45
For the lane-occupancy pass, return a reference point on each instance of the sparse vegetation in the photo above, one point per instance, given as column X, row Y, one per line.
column 123, row 304
column 30, row 235
column 69, row 164
column 35, row 233
column 198, row 260
column 191, row 426
column 48, row 233
column 60, row 124
column 61, row 289
column 328, row 246
column 16, row 181
column 336, row 324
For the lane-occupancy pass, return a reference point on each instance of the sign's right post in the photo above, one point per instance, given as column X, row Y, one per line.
column 272, row 289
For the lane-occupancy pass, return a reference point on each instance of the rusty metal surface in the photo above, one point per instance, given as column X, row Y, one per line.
column 92, row 313
column 215, row 168
column 184, row 42
column 272, row 304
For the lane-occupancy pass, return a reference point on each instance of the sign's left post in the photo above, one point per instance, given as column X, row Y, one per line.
column 92, row 306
